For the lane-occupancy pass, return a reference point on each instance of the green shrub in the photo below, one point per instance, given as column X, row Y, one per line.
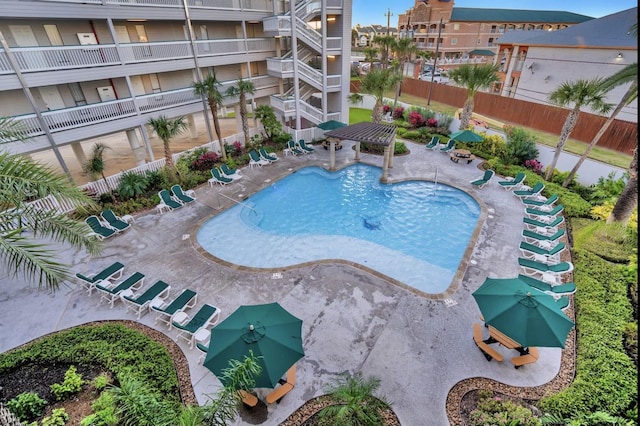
column 413, row 135
column 400, row 148
column 72, row 384
column 27, row 406
column 608, row 189
column 59, row 417
column 132, row 185
column 104, row 412
column 100, row 382
column 492, row 410
column 400, row 131
column 520, row 147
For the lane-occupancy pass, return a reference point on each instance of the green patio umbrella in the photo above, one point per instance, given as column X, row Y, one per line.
column 331, row 125
column 466, row 136
column 268, row 330
column 525, row 314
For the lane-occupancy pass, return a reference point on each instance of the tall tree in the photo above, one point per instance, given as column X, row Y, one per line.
column 473, row 78
column 403, row 49
column 589, row 93
column 376, row 83
column 384, row 42
column 23, row 227
column 624, row 76
column 94, row 166
column 241, row 89
column 167, row 129
column 209, row 89
column 628, row 200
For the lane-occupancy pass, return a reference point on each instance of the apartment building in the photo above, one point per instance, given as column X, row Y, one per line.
column 363, row 35
column 535, row 63
column 77, row 69
column 464, row 30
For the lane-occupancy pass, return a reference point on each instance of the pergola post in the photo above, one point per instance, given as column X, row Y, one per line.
column 392, row 151
column 332, row 154
column 385, row 165
column 357, row 151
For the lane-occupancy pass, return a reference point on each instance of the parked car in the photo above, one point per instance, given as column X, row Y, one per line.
column 438, row 77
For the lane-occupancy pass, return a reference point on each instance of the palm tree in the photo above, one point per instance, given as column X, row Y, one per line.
column 166, row 129
column 628, row 200
column 473, row 78
column 209, row 88
column 94, row 166
column 376, row 83
column 23, row 227
column 403, row 50
column 580, row 93
column 625, row 75
column 241, row 89
column 354, row 403
column 385, row 42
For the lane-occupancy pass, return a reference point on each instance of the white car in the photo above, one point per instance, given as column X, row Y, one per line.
column 437, row 77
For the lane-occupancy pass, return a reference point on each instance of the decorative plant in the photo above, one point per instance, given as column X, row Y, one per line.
column 398, row 113
column 354, row 403
column 132, row 184
column 72, row 384
column 27, row 406
column 534, row 165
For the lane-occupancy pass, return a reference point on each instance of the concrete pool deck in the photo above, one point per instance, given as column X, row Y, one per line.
column 354, row 320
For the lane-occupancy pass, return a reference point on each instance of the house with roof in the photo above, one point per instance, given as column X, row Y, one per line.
column 534, row 63
column 364, row 34
column 467, row 32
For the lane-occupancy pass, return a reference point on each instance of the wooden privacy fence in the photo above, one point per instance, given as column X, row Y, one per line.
column 622, row 136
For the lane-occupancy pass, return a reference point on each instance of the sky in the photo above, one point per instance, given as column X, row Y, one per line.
column 368, row 12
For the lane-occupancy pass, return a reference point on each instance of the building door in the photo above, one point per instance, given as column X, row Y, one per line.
column 51, row 97
column 53, row 34
column 23, row 35
column 122, row 34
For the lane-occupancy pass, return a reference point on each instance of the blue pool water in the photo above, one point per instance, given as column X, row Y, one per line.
column 415, row 232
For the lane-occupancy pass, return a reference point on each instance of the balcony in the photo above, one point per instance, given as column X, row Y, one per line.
column 246, row 5
column 54, row 58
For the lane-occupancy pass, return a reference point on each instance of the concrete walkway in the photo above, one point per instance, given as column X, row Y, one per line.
column 354, row 321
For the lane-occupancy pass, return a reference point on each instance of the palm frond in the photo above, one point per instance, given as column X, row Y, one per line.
column 11, row 130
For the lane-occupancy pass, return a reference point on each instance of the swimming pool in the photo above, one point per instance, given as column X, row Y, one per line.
column 414, row 232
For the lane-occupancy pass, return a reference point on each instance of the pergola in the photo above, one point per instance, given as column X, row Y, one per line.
column 372, row 133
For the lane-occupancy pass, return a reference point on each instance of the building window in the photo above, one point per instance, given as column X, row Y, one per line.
column 490, row 42
column 456, row 27
column 454, row 41
column 478, row 41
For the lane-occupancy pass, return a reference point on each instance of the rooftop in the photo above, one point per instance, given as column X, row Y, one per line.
column 472, row 14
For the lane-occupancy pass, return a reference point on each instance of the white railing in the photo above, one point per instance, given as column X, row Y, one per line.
column 287, row 106
column 112, row 182
column 51, row 203
column 310, row 35
column 280, row 66
column 5, row 65
column 278, row 24
column 312, row 113
column 64, row 57
column 253, row 5
column 144, row 52
column 334, row 80
column 308, row 9
column 156, row 101
column 69, row 118
column 518, row 65
column 310, row 75
column 260, row 45
column 334, row 4
column 334, row 43
column 310, row 134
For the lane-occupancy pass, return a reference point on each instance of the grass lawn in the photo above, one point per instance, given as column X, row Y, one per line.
column 604, row 155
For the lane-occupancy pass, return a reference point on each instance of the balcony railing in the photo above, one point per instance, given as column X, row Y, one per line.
column 253, row 5
column 43, row 58
column 286, row 105
column 518, row 66
column 69, row 118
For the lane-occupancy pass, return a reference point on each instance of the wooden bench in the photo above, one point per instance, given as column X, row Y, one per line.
column 486, row 350
column 529, row 358
column 279, row 392
column 248, row 399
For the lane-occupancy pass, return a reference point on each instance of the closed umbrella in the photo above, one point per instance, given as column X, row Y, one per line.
column 523, row 313
column 466, row 136
column 270, row 331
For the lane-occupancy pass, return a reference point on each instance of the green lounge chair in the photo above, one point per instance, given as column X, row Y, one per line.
column 291, row 146
column 230, row 173
column 111, row 295
column 433, row 143
column 482, row 181
column 101, row 231
column 114, row 221
column 167, row 200
column 450, row 146
column 256, row 160
column 535, row 237
column 217, row 177
column 166, row 310
column 532, row 267
column 538, row 224
column 182, row 196
column 535, row 202
column 516, row 181
column 140, row 303
column 204, row 348
column 267, row 156
column 567, row 288
column 536, row 213
column 111, row 272
column 206, row 317
column 306, row 148
column 531, row 250
column 537, row 189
